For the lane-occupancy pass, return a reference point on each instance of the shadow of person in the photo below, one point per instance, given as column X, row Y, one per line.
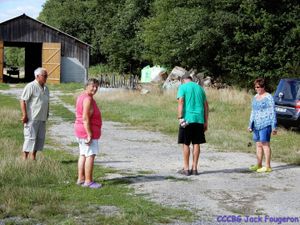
column 233, row 170
column 286, row 166
column 246, row 170
column 135, row 179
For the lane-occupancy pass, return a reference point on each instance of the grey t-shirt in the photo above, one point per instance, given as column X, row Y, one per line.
column 37, row 101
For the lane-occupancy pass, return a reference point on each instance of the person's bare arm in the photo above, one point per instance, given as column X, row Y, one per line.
column 206, row 108
column 87, row 104
column 180, row 108
column 24, row 118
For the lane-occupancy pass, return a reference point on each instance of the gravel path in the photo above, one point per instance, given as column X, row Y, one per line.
column 224, row 187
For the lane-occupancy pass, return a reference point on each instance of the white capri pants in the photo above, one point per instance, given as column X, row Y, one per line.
column 88, row 150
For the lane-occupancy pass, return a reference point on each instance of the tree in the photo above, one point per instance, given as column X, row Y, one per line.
column 236, row 40
column 186, row 33
column 14, row 56
column 74, row 17
column 265, row 43
column 117, row 35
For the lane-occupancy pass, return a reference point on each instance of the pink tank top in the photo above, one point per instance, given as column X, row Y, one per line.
column 95, row 120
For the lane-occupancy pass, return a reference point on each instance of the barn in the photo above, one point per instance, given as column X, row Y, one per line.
column 66, row 58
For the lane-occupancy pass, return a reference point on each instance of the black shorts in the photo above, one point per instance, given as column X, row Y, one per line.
column 194, row 133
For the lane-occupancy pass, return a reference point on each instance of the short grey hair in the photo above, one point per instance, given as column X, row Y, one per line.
column 39, row 71
column 186, row 75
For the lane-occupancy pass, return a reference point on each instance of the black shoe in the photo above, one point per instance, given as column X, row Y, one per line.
column 194, row 172
column 184, row 172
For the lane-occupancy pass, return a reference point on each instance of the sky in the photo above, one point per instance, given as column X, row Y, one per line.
column 13, row 8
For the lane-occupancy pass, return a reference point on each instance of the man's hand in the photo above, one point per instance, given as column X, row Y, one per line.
column 180, row 121
column 205, row 126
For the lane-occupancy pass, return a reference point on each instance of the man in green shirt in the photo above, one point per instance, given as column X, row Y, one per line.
column 35, row 111
column 193, row 120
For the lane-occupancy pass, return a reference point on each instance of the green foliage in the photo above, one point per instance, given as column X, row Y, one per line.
column 266, row 42
column 117, row 35
column 96, row 70
column 14, row 56
column 64, row 15
column 235, row 40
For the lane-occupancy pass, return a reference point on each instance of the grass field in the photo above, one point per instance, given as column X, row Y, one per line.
column 44, row 191
column 229, row 111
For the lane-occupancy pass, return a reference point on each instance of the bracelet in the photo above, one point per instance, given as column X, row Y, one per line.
column 179, row 117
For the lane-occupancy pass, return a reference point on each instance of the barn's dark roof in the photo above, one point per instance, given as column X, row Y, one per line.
column 24, row 16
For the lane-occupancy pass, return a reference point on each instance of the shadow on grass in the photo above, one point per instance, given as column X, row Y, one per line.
column 72, row 161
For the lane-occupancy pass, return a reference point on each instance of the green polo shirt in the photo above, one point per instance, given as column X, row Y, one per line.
column 37, row 101
column 194, row 98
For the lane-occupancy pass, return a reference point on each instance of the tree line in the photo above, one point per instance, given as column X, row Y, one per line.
column 234, row 40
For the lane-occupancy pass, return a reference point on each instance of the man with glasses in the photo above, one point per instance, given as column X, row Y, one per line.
column 35, row 111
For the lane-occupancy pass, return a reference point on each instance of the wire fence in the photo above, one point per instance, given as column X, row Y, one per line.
column 113, row 81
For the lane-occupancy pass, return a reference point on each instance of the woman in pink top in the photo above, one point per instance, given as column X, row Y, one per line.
column 88, row 125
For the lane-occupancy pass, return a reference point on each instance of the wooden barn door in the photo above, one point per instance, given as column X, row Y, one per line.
column 51, row 61
column 1, row 60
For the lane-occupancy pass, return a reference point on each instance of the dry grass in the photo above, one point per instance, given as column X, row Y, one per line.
column 229, row 111
column 229, row 95
column 44, row 191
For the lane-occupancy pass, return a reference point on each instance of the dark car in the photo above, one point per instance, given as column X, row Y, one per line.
column 287, row 102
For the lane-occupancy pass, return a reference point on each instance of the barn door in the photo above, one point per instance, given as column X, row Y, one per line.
column 1, row 60
column 51, row 61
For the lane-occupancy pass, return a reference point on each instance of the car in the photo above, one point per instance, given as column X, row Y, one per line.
column 287, row 102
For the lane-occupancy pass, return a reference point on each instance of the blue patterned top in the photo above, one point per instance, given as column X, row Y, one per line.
column 263, row 113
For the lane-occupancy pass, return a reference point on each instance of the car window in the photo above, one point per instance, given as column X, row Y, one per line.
column 298, row 88
column 290, row 90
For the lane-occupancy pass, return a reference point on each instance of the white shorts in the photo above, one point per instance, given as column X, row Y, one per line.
column 88, row 150
column 34, row 136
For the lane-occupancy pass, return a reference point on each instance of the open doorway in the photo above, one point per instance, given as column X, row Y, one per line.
column 20, row 59
column 14, row 64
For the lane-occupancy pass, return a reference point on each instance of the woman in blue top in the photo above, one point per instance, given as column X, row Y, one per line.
column 262, row 123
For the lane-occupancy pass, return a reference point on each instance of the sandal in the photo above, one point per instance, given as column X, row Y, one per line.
column 92, row 185
column 195, row 172
column 264, row 170
column 80, row 183
column 254, row 167
column 184, row 172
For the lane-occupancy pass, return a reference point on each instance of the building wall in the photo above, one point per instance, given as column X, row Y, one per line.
column 26, row 29
column 72, row 70
column 23, row 30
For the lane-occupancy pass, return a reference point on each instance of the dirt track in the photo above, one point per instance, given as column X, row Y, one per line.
column 224, row 187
